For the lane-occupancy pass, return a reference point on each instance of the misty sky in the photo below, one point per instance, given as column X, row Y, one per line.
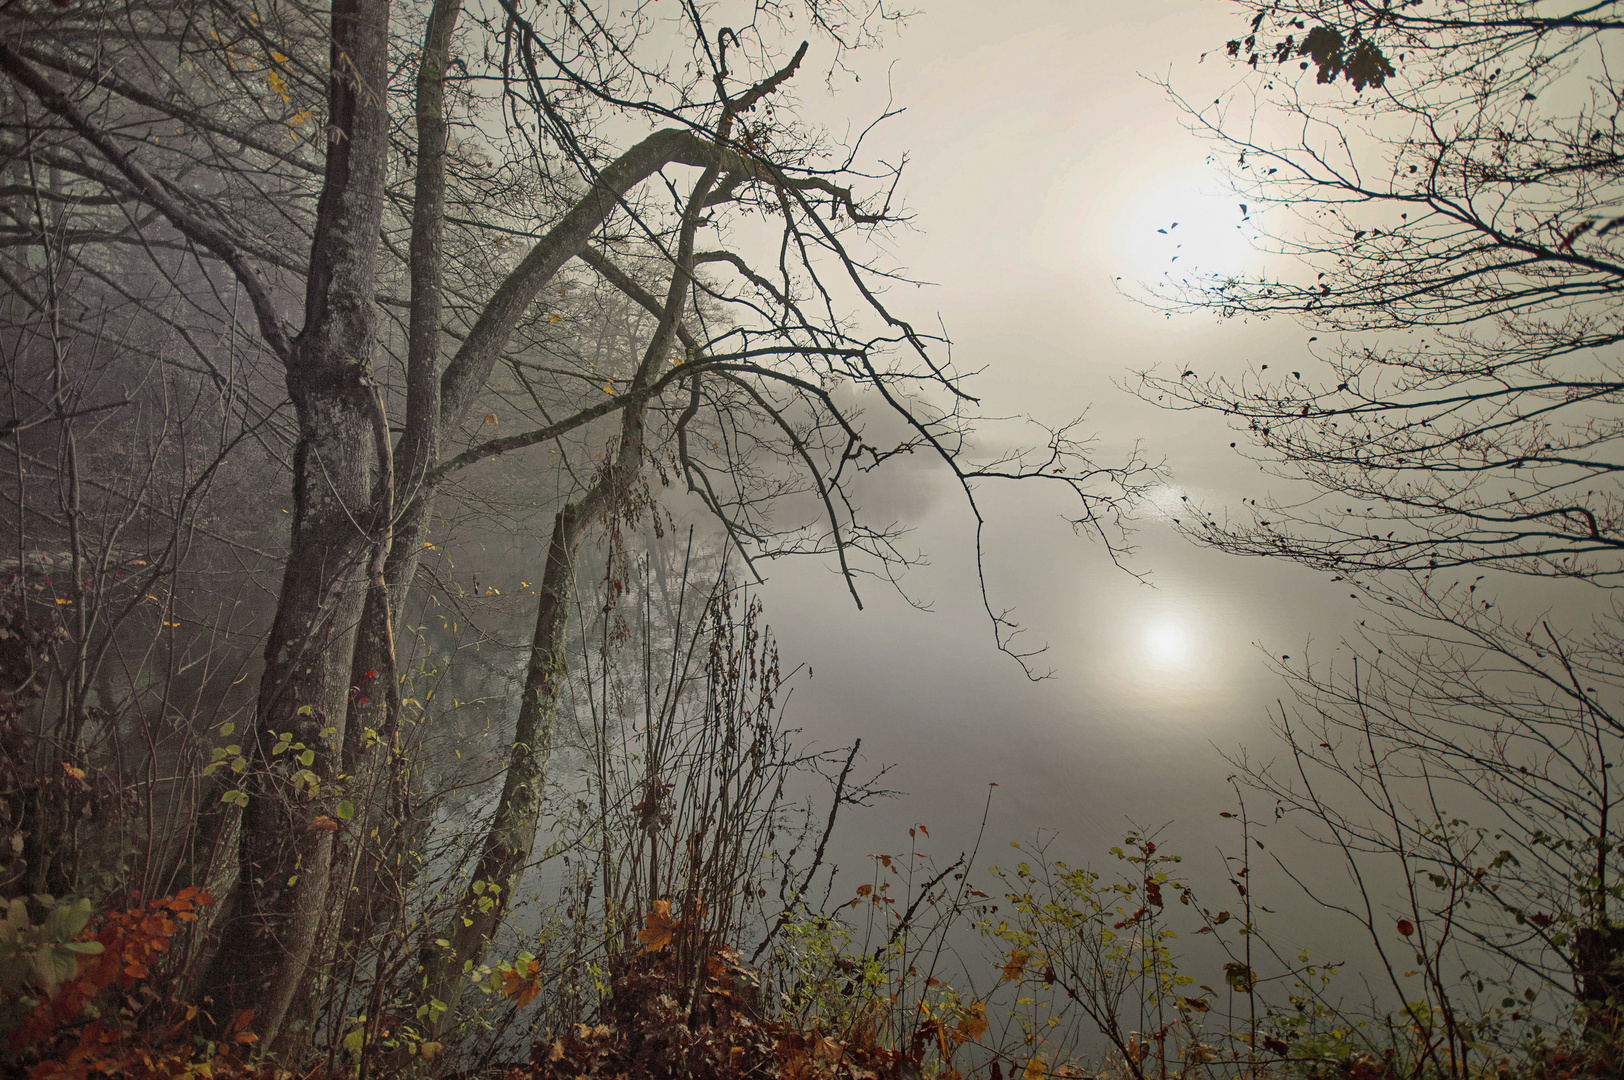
column 1042, row 162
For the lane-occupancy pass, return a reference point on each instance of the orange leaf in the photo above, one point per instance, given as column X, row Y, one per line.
column 972, row 1023
column 658, row 927
column 520, row 982
column 1015, row 965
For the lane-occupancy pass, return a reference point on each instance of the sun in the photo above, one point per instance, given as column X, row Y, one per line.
column 1182, row 224
column 1167, row 643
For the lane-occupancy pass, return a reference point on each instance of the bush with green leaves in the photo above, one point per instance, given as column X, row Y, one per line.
column 36, row 958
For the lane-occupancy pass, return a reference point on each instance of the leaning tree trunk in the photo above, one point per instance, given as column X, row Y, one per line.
column 512, row 832
column 340, row 516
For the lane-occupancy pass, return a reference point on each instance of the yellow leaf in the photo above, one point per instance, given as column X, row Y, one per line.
column 76, row 773
column 1035, row 1070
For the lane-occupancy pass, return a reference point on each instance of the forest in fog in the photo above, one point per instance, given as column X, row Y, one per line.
column 404, row 409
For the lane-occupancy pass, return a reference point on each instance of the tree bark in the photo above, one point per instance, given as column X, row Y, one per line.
column 285, row 858
column 419, row 448
column 369, row 761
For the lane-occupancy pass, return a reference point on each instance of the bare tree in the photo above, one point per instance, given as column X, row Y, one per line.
column 1472, row 229
column 757, row 336
column 1477, row 757
column 1442, row 202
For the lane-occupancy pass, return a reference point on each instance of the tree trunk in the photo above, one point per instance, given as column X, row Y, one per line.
column 512, row 831
column 369, row 890
column 285, row 857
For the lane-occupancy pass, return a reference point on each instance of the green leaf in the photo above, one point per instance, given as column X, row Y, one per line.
column 345, row 810
column 227, row 728
column 66, row 920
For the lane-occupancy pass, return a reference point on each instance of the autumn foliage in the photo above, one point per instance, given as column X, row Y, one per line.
column 110, row 1018
column 654, row 1028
